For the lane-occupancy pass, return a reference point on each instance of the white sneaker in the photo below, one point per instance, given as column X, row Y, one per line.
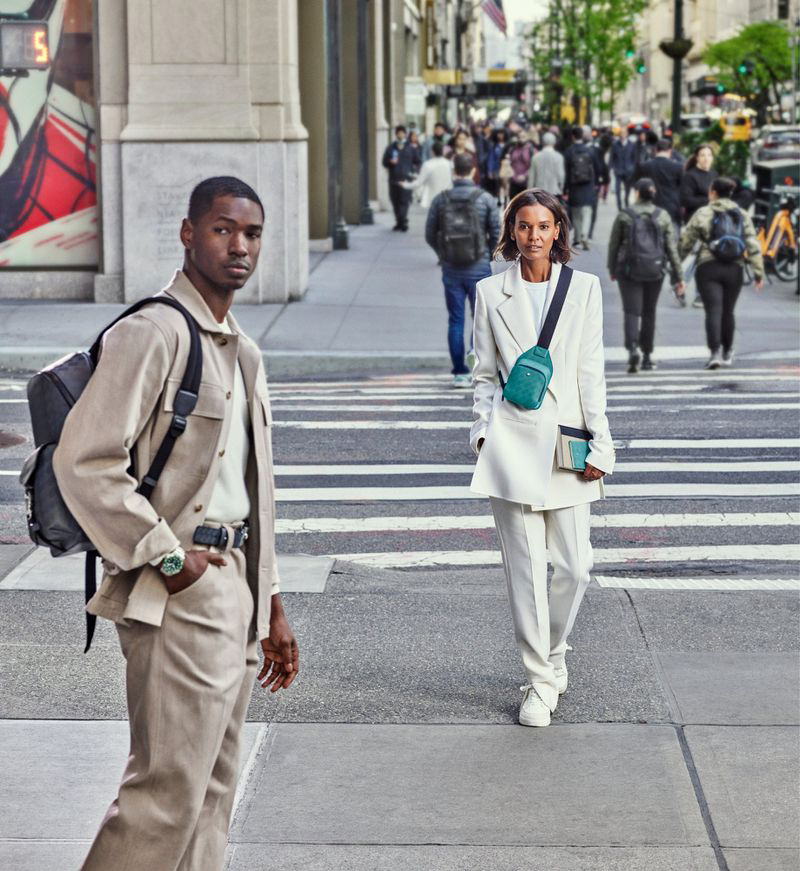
column 462, row 382
column 727, row 357
column 562, row 678
column 714, row 361
column 533, row 711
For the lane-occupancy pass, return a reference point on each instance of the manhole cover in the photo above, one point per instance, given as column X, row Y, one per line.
column 9, row 439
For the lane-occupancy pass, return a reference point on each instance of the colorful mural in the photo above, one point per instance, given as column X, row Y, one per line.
column 48, row 193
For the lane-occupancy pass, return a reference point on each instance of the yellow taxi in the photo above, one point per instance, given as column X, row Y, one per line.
column 738, row 126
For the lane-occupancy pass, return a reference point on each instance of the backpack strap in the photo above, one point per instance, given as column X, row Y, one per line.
column 185, row 398
column 183, row 406
column 554, row 311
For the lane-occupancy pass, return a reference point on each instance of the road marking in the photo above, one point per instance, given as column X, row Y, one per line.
column 682, row 404
column 710, row 444
column 734, row 466
column 602, row 556
column 699, row 583
column 287, row 526
column 655, row 490
column 372, row 424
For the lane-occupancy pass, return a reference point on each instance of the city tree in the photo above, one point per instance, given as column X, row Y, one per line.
column 586, row 49
column 756, row 64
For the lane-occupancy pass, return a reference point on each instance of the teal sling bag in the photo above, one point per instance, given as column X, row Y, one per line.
column 530, row 375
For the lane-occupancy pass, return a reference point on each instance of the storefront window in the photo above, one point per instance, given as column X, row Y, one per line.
column 48, row 193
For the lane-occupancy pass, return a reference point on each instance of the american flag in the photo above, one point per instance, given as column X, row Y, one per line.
column 494, row 9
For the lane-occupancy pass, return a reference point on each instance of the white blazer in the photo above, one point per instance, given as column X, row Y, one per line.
column 518, row 457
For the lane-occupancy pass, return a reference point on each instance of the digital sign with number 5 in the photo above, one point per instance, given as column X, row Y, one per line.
column 23, row 46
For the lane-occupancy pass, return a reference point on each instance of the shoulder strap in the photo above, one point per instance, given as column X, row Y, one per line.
column 185, row 401
column 556, row 305
column 475, row 195
column 185, row 398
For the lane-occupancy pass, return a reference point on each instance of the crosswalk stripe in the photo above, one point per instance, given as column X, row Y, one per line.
column 654, row 490
column 467, row 468
column 712, row 583
column 293, row 526
column 681, row 403
column 602, row 556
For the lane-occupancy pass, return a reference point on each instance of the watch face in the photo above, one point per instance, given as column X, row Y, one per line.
column 172, row 564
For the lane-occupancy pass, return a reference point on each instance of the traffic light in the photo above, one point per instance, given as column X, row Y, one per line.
column 720, row 88
column 745, row 68
column 641, row 66
column 630, row 53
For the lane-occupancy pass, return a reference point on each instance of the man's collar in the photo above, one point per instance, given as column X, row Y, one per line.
column 182, row 289
column 463, row 181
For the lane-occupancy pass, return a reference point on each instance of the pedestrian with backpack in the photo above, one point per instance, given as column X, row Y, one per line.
column 463, row 227
column 642, row 248
column 191, row 577
column 584, row 172
column 725, row 235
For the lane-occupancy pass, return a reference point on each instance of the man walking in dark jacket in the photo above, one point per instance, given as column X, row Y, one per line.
column 666, row 172
column 403, row 161
column 584, row 172
column 463, row 228
column 623, row 163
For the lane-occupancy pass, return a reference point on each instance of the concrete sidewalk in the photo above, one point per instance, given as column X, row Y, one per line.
column 379, row 306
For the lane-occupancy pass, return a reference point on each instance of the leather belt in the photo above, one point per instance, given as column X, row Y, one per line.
column 214, row 536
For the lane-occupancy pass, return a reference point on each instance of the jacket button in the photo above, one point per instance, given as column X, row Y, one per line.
column 198, row 507
column 222, row 340
column 222, row 452
column 228, row 395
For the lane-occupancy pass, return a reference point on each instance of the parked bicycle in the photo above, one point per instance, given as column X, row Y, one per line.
column 779, row 243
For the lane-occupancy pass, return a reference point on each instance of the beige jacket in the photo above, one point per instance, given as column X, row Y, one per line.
column 124, row 412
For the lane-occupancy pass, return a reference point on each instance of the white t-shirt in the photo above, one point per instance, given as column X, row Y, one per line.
column 537, row 292
column 230, row 502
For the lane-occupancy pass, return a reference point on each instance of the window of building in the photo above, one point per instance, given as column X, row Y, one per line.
column 48, row 194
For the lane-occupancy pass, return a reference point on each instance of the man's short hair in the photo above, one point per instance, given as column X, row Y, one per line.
column 438, row 148
column 202, row 197
column 440, row 124
column 577, row 133
column 663, row 145
column 399, row 128
column 646, row 188
column 723, row 187
column 548, row 139
column 463, row 164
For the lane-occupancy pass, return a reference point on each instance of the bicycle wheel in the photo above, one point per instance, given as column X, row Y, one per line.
column 786, row 262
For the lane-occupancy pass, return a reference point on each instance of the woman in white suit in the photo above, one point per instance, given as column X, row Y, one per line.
column 538, row 506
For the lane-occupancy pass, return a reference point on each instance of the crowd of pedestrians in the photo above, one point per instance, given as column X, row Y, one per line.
column 669, row 207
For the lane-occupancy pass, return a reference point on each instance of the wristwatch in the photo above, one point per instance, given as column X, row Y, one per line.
column 173, row 562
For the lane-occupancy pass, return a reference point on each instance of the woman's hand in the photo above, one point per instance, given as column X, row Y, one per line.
column 592, row 474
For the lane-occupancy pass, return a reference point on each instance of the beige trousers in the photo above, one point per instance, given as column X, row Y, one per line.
column 188, row 684
column 542, row 627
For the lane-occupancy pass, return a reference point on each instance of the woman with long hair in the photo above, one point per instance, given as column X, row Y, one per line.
column 698, row 173
column 541, row 465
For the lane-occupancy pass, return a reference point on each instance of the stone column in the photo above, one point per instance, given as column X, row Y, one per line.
column 212, row 89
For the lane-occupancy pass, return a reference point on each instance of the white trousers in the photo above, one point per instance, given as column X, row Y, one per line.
column 542, row 627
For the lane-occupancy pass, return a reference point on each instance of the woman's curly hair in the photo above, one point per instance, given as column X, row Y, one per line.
column 507, row 247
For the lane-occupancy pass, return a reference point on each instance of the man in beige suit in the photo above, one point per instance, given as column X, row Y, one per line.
column 191, row 579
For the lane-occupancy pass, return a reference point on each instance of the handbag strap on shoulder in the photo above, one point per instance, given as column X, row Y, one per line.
column 553, row 313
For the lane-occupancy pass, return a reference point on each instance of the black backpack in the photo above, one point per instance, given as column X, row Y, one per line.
column 51, row 395
column 461, row 238
column 642, row 258
column 582, row 167
column 726, row 240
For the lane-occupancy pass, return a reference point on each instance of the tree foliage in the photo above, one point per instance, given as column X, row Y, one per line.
column 756, row 64
column 586, row 49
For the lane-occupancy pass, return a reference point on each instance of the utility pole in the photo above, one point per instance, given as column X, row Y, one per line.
column 363, row 109
column 676, row 71
column 677, row 48
column 336, row 224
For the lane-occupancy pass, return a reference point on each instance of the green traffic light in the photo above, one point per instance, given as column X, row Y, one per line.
column 629, row 53
column 641, row 67
column 720, row 89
